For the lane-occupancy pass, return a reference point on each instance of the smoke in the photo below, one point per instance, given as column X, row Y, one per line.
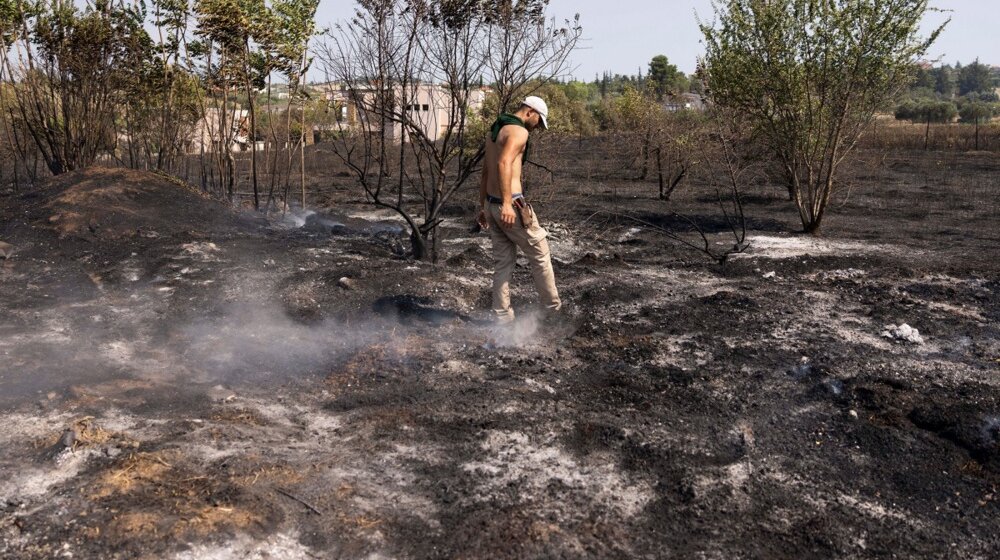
column 251, row 342
column 237, row 344
column 164, row 337
column 294, row 218
column 523, row 331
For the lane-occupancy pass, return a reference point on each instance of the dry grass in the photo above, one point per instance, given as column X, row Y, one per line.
column 891, row 135
column 268, row 474
column 239, row 415
column 210, row 519
column 158, row 494
column 86, row 433
column 136, row 470
column 362, row 522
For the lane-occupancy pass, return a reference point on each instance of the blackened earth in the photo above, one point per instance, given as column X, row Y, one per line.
column 253, row 389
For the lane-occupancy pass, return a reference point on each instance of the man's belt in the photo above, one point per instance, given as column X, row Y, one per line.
column 496, row 200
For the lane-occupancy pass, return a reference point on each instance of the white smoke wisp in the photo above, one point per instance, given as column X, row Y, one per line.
column 252, row 342
column 242, row 343
column 295, row 218
column 523, row 331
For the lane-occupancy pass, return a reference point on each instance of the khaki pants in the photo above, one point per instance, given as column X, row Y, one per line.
column 531, row 240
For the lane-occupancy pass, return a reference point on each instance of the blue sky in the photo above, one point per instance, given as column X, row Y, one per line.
column 621, row 36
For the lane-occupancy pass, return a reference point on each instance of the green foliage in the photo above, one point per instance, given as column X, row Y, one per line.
column 635, row 109
column 932, row 97
column 978, row 112
column 665, row 78
column 231, row 26
column 610, row 85
column 569, row 109
column 924, row 78
column 808, row 75
column 90, row 61
column 948, row 82
column 927, row 111
column 944, row 81
column 975, row 78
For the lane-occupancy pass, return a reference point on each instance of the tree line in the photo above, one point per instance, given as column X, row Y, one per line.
column 799, row 80
column 945, row 93
column 130, row 83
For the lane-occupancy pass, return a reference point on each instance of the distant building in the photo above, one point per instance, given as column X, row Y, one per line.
column 428, row 105
column 685, row 102
column 207, row 132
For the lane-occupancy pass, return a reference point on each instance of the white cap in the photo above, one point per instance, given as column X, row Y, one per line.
column 538, row 104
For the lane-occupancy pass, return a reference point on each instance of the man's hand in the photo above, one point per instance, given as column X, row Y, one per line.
column 507, row 215
column 482, row 220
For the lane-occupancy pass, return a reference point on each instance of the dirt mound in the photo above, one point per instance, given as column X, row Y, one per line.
column 116, row 203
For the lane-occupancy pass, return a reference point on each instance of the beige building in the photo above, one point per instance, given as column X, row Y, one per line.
column 207, row 132
column 428, row 105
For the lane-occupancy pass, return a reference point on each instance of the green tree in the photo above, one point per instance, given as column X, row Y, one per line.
column 665, row 78
column 568, row 111
column 809, row 76
column 637, row 118
column 287, row 48
column 237, row 28
column 923, row 77
column 944, row 81
column 977, row 112
column 927, row 111
column 72, row 69
column 975, row 78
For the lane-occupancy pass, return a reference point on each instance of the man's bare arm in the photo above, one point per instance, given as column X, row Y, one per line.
column 483, row 186
column 483, row 183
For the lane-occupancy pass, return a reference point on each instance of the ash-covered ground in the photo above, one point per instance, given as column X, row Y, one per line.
column 181, row 381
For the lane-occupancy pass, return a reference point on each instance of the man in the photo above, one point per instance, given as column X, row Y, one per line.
column 505, row 213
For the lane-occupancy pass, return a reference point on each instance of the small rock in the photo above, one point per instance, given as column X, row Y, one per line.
column 853, row 414
column 346, row 283
column 903, row 333
column 220, row 393
column 6, row 250
column 771, row 274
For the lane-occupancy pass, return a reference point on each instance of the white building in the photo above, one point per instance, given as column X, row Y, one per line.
column 428, row 106
column 208, row 132
column 685, row 102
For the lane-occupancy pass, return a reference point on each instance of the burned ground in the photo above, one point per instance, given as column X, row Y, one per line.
column 214, row 386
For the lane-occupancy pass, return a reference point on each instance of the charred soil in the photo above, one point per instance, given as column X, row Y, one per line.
column 179, row 380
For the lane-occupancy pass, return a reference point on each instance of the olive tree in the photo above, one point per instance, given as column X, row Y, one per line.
column 810, row 75
column 927, row 112
column 977, row 112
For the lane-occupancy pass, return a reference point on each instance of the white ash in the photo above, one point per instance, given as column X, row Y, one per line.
column 511, row 458
column 244, row 547
column 841, row 274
